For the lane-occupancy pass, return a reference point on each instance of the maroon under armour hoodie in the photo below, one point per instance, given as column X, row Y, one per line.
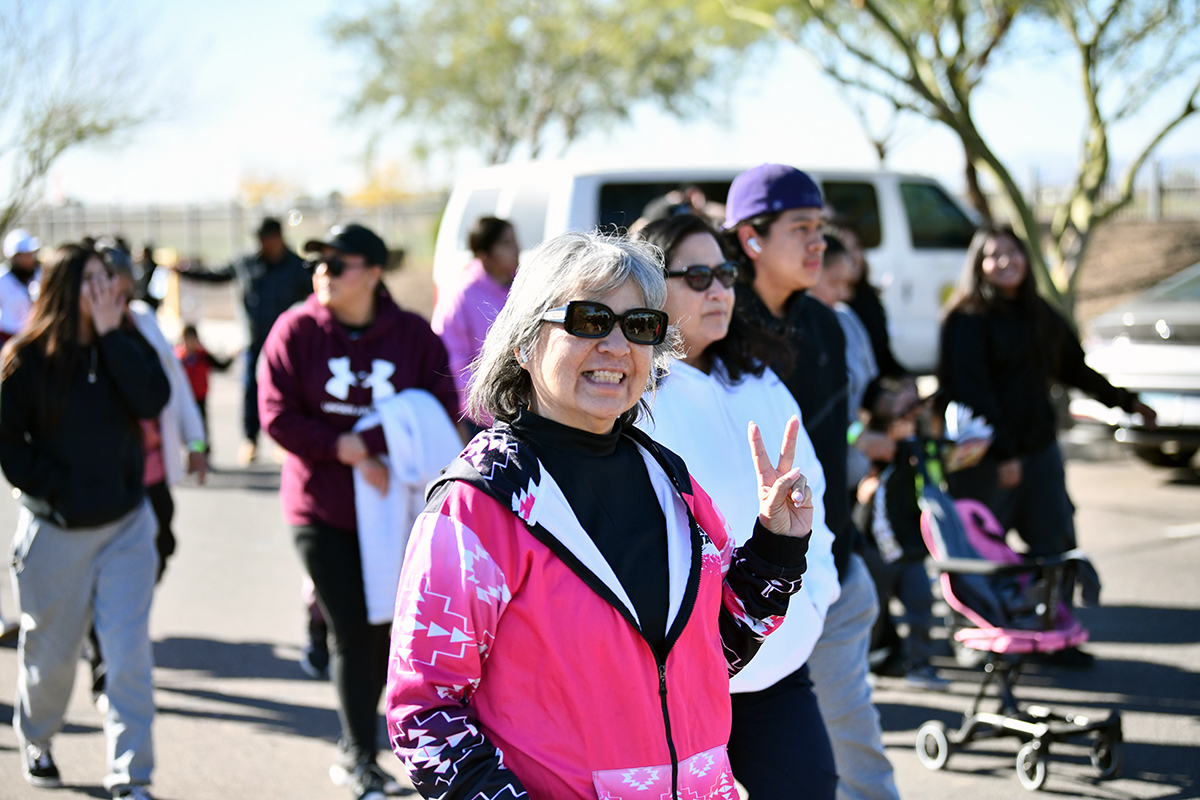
column 316, row 378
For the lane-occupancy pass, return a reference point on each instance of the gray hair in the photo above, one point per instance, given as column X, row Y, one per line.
column 559, row 270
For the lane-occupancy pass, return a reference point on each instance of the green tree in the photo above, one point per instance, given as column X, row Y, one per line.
column 497, row 75
column 69, row 76
column 928, row 57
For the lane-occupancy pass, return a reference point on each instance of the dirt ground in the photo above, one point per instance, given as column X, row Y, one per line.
column 1126, row 257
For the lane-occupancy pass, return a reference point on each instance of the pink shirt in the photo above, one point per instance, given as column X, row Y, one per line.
column 462, row 318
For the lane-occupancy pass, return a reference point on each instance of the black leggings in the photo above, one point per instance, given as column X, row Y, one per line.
column 778, row 747
column 359, row 658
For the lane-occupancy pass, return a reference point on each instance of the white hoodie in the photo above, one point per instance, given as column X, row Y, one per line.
column 704, row 420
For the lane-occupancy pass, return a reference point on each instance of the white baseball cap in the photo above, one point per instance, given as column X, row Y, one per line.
column 20, row 240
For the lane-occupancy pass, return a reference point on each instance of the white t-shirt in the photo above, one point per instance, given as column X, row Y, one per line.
column 16, row 301
column 704, row 420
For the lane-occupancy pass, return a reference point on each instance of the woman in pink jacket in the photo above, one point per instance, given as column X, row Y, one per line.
column 572, row 605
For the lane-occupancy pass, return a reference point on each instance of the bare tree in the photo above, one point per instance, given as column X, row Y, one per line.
column 69, row 76
column 928, row 57
column 511, row 73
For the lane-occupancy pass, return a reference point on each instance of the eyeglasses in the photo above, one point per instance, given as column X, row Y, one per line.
column 700, row 276
column 334, row 265
column 591, row 320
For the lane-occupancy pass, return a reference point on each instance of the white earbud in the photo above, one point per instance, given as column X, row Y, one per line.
column 523, row 355
column 753, row 244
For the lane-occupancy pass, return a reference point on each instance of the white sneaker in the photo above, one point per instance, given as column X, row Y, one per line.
column 344, row 777
column 132, row 793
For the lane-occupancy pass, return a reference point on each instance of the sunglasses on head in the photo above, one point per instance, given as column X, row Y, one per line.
column 700, row 276
column 591, row 320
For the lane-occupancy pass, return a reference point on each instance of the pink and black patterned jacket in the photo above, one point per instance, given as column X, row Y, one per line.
column 518, row 667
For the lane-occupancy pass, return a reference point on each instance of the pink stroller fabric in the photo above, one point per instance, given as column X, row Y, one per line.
column 978, row 534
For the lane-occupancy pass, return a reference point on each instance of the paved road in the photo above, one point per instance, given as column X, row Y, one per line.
column 237, row 718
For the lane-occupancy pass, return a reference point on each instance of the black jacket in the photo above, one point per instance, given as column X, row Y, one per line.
column 818, row 380
column 268, row 289
column 83, row 469
column 1001, row 364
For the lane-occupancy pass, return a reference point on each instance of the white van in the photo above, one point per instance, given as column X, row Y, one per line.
column 915, row 233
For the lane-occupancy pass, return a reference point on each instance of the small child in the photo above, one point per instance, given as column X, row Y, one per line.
column 895, row 552
column 199, row 363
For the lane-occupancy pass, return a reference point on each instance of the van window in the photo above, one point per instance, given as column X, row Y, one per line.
column 622, row 203
column 528, row 216
column 858, row 203
column 481, row 203
column 935, row 221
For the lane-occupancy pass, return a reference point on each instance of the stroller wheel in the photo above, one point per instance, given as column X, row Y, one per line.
column 933, row 748
column 1106, row 756
column 1031, row 767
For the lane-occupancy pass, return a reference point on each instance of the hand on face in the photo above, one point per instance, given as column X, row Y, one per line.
column 588, row 383
column 785, row 501
column 100, row 298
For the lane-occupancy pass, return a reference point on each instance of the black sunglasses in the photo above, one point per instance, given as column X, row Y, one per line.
column 700, row 276
column 591, row 320
column 334, row 265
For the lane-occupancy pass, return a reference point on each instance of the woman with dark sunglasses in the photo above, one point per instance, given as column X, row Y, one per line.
column 324, row 366
column 778, row 741
column 571, row 604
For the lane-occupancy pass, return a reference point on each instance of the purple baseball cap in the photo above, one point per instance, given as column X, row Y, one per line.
column 767, row 189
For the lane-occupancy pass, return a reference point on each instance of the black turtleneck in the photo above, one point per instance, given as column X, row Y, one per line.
column 604, row 478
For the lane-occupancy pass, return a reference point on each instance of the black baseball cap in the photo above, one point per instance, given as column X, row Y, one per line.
column 353, row 239
column 269, row 227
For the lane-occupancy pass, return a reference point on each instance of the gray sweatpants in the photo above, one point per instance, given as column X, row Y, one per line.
column 64, row 580
column 838, row 668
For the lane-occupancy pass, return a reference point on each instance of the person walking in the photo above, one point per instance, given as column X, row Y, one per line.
column 548, row 641
column 325, row 365
column 199, row 363
column 720, row 386
column 271, row 280
column 464, row 314
column 774, row 224
column 73, row 384
column 1002, row 347
column 18, row 281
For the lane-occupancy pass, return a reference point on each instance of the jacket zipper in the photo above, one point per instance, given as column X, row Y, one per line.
column 662, row 693
column 662, row 690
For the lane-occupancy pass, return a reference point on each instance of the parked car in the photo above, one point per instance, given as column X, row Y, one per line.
column 1151, row 345
column 915, row 233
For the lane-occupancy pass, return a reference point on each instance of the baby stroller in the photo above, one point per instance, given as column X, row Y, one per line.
column 1013, row 606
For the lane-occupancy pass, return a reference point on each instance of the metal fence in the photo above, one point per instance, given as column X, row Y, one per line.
column 217, row 232
column 1162, row 190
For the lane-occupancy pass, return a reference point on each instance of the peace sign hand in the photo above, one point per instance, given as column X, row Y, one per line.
column 785, row 501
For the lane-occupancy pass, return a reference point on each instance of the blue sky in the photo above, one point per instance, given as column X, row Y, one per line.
column 255, row 91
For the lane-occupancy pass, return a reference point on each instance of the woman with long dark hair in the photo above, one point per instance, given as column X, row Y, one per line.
column 74, row 384
column 1002, row 348
column 778, row 740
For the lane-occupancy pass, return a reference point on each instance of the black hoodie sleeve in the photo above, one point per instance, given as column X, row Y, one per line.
column 136, row 372
column 965, row 377
column 1074, row 371
column 26, row 466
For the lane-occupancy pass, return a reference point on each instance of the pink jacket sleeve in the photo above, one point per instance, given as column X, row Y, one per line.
column 451, row 597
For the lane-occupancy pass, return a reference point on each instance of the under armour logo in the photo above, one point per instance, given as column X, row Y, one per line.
column 378, row 380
